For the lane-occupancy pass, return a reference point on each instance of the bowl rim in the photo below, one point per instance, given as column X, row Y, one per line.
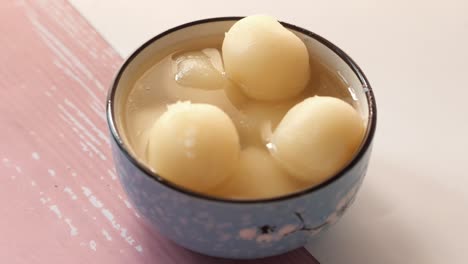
column 372, row 117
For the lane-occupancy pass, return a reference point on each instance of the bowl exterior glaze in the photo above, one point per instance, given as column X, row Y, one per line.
column 249, row 229
column 238, row 230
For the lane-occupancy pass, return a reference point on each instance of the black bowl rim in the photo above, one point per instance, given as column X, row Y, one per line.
column 372, row 118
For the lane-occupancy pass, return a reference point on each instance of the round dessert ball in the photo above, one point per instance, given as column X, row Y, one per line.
column 256, row 121
column 193, row 145
column 317, row 138
column 268, row 61
column 257, row 177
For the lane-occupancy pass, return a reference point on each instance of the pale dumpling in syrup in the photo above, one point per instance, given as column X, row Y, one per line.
column 265, row 59
column 257, row 120
column 258, row 177
column 317, row 138
column 194, row 145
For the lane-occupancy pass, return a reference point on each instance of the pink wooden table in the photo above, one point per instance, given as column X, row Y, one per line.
column 60, row 199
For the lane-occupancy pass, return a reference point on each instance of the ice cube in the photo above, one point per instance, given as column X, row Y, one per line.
column 200, row 69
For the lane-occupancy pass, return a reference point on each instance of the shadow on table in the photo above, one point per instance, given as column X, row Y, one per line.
column 368, row 233
column 299, row 256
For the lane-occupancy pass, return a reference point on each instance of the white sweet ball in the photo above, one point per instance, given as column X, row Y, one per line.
column 194, row 145
column 256, row 121
column 317, row 138
column 257, row 177
column 268, row 61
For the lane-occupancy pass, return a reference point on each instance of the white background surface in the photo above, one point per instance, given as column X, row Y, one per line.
column 413, row 207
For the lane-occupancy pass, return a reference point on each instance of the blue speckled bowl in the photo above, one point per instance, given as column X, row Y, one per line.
column 238, row 229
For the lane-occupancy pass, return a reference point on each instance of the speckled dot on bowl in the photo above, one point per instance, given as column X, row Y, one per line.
column 238, row 229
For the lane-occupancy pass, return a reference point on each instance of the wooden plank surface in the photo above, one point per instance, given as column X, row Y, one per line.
column 60, row 199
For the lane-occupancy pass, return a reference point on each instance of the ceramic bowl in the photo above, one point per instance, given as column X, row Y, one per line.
column 228, row 228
